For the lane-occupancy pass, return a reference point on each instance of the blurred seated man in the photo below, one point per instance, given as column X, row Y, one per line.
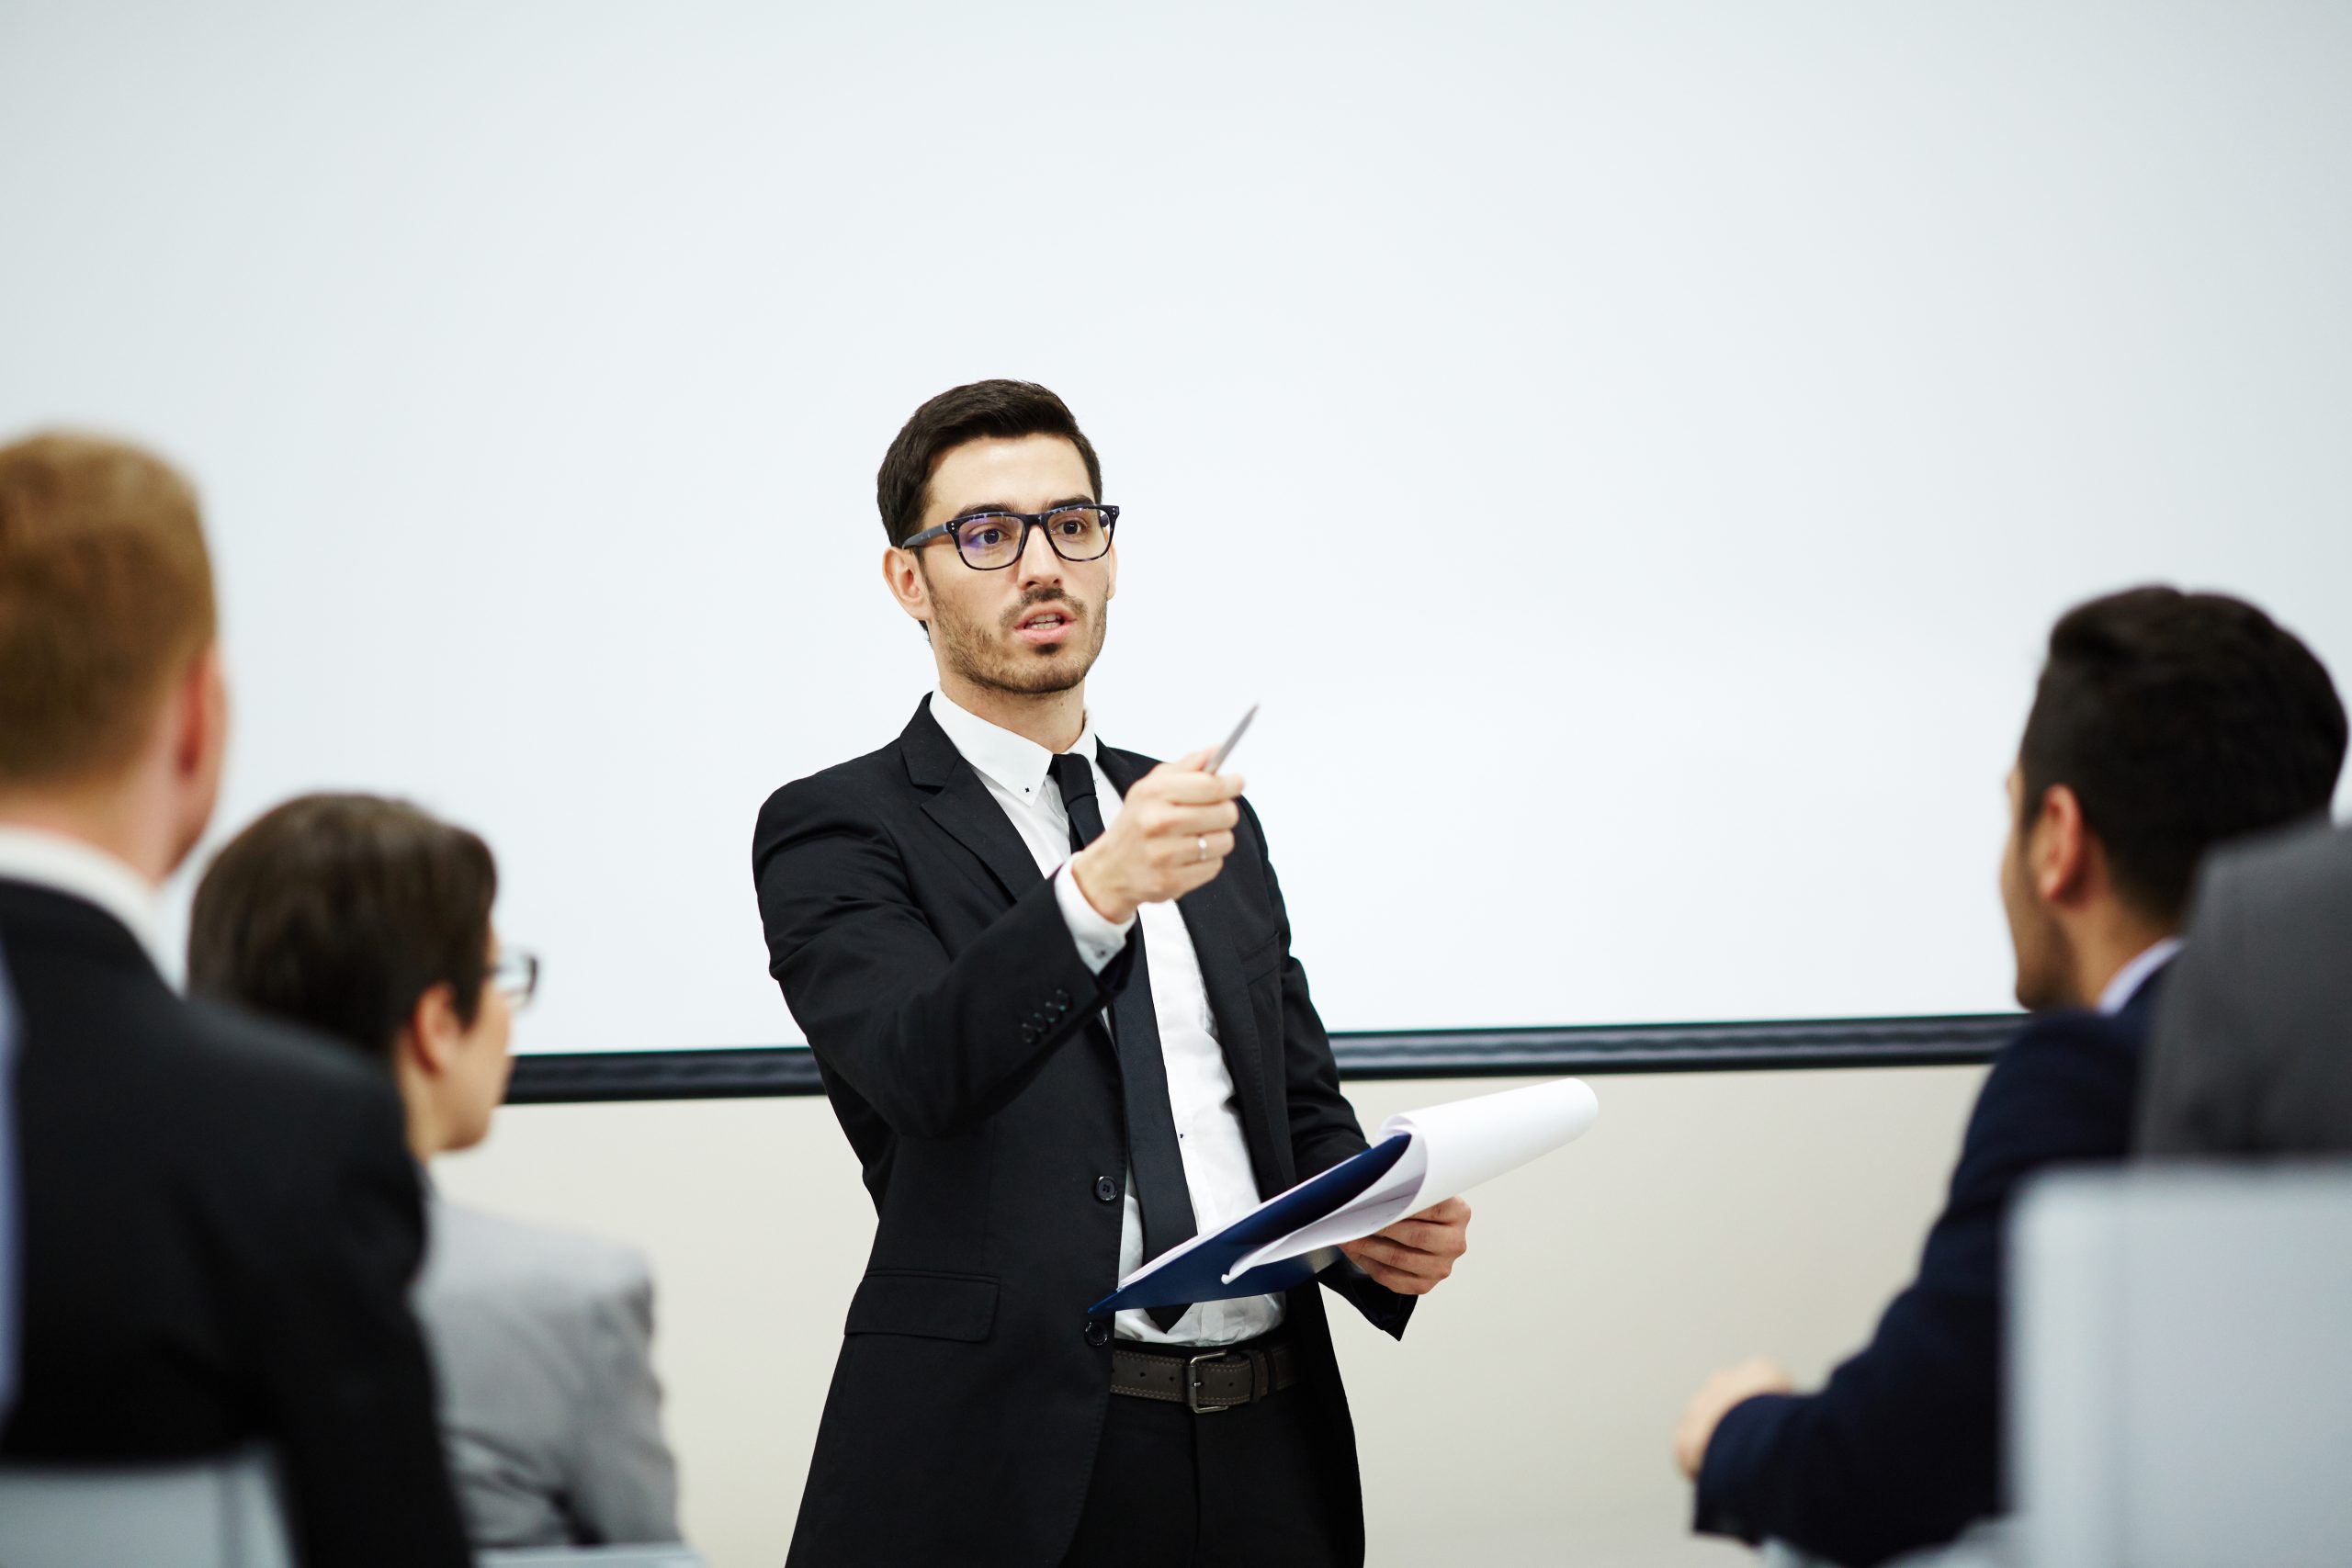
column 2253, row 1046
column 2164, row 724
column 369, row 922
column 220, row 1223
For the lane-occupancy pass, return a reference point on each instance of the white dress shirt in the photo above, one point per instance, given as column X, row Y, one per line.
column 1200, row 1090
column 2136, row 974
column 86, row 872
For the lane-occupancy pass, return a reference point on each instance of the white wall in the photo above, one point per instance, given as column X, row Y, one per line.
column 1635, row 449
column 1526, row 1417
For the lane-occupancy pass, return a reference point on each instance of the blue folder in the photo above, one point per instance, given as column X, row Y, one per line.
column 1199, row 1275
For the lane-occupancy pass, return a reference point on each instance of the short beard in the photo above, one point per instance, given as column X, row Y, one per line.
column 2045, row 979
column 976, row 654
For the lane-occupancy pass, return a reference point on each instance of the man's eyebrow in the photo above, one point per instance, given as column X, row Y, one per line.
column 986, row 506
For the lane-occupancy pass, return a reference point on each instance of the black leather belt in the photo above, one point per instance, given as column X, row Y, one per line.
column 1206, row 1382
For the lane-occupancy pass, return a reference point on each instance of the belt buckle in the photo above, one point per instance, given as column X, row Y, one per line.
column 1192, row 1381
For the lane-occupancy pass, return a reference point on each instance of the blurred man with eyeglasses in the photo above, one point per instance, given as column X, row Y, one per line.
column 1051, row 988
column 368, row 921
column 220, row 1223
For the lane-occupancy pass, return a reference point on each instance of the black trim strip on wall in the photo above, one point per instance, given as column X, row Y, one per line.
column 755, row 1072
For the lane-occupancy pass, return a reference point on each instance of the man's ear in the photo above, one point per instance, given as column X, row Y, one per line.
column 2059, row 853
column 433, row 1032
column 903, row 575
column 199, row 716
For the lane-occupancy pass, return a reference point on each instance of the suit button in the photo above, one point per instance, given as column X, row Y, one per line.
column 1098, row 1334
column 1106, row 1189
column 1028, row 1034
column 1061, row 998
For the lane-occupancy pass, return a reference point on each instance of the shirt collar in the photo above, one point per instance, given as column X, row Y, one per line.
column 82, row 871
column 2134, row 974
column 1013, row 762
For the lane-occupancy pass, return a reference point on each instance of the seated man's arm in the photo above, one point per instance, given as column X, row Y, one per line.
column 1902, row 1449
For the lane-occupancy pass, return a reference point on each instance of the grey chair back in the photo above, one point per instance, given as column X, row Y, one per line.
column 592, row 1557
column 2180, row 1374
column 219, row 1513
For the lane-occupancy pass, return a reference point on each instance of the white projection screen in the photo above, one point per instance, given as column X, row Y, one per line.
column 1634, row 452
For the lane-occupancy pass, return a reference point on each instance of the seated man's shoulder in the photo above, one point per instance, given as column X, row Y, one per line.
column 480, row 1258
column 2066, row 1080
column 2050, row 1038
column 266, row 1068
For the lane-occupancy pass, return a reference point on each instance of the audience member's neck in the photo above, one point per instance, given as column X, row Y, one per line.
column 1052, row 719
column 118, row 819
column 2107, row 940
column 428, row 1138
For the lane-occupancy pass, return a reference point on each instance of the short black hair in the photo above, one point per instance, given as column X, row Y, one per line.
column 2179, row 720
column 1005, row 410
column 340, row 911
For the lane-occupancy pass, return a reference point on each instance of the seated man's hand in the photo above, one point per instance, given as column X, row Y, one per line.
column 1712, row 1403
column 1411, row 1255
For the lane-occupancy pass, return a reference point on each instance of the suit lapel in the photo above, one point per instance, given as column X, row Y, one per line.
column 960, row 803
column 1208, row 920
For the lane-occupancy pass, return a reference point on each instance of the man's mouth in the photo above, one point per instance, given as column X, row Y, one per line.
column 1045, row 625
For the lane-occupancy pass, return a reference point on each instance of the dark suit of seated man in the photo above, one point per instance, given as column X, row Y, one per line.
column 221, row 1218
column 2253, row 1049
column 2164, row 724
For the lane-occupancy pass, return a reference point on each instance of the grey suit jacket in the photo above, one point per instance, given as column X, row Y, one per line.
column 2253, row 1044
column 550, row 1409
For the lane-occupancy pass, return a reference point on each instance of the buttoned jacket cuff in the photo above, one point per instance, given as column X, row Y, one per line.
column 1098, row 941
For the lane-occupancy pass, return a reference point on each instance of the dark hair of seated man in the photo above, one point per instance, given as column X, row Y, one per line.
column 369, row 920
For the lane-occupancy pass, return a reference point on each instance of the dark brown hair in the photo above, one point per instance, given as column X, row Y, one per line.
column 340, row 911
column 106, row 597
column 2179, row 720
column 1006, row 410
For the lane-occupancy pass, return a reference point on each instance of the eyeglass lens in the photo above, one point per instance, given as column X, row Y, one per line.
column 516, row 975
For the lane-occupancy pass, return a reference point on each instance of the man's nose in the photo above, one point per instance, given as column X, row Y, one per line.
column 1039, row 564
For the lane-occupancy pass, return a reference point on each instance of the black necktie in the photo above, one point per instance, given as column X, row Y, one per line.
column 1156, row 1162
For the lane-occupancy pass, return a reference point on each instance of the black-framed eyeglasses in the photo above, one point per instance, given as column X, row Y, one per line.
column 516, row 976
column 990, row 541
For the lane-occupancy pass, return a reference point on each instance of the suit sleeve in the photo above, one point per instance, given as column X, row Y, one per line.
column 623, row 1486
column 361, row 1463
column 935, row 1043
column 1901, row 1450
column 1323, row 1126
column 2201, row 1056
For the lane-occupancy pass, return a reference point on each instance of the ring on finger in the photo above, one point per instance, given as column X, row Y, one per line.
column 1201, row 845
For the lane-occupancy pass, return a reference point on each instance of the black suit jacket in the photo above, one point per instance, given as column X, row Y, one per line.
column 1903, row 1447
column 955, row 1023
column 221, row 1223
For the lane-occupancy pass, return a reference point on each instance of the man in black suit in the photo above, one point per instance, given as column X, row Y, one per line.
column 221, row 1220
column 1050, row 987
column 2164, row 723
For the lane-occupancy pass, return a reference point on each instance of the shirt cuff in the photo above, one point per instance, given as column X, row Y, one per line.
column 1098, row 940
